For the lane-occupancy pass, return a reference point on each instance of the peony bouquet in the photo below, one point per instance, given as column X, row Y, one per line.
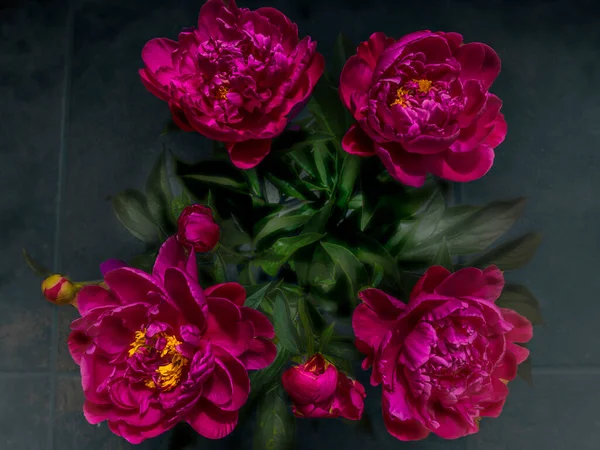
column 320, row 234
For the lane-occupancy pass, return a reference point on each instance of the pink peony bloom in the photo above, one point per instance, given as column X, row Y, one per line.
column 319, row 390
column 155, row 349
column 422, row 105
column 197, row 228
column 237, row 78
column 444, row 359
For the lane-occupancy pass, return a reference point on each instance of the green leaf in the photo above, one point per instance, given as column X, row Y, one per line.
column 264, row 377
column 521, row 300
column 511, row 255
column 276, row 223
column 473, row 234
column 276, row 426
column 284, row 326
column 158, row 193
column 178, row 204
column 342, row 50
column 303, row 160
column 320, row 153
column 291, row 189
column 220, row 269
column 254, row 300
column 219, row 180
column 35, row 266
column 253, row 181
column 283, row 249
column 371, row 252
column 132, row 211
column 524, row 370
column 442, row 257
column 326, row 336
column 310, row 139
column 232, row 234
column 326, row 107
column 377, row 275
column 356, row 275
column 347, row 179
column 306, row 326
column 429, row 219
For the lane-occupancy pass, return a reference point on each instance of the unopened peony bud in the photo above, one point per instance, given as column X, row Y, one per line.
column 59, row 290
column 197, row 228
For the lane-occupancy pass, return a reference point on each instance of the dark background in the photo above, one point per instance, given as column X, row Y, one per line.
column 77, row 126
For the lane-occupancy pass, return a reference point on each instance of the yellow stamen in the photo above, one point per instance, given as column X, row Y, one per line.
column 401, row 99
column 140, row 342
column 170, row 373
column 222, row 92
column 424, row 86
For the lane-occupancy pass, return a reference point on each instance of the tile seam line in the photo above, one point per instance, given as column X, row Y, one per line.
column 61, row 178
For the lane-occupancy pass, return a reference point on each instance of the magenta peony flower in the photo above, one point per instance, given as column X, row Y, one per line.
column 422, row 105
column 319, row 390
column 197, row 228
column 444, row 359
column 155, row 349
column 236, row 78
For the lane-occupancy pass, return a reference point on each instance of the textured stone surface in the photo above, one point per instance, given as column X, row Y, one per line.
column 77, row 71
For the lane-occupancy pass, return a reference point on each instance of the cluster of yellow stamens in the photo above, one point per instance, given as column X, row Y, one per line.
column 222, row 92
column 170, row 373
column 402, row 94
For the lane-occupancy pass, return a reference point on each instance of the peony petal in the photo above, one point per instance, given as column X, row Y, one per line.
column 259, row 355
column 210, row 421
column 452, row 425
column 233, row 292
column 493, row 284
column 522, row 331
column 369, row 327
column 356, row 77
column 262, row 326
column 247, row 154
column 158, row 53
column 462, row 167
column 507, row 367
column 91, row 297
column 399, row 417
column 417, row 346
column 478, row 62
column 408, row 168
column 305, row 387
column 369, row 51
column 521, row 353
column 383, row 304
column 173, row 254
column 496, row 137
column 462, row 283
column 357, row 142
column 133, row 285
column 225, row 327
column 430, row 281
column 187, row 296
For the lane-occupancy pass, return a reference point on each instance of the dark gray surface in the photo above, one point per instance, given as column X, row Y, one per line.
column 77, row 126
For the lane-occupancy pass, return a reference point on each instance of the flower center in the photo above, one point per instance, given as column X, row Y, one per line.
column 401, row 97
column 222, row 92
column 404, row 93
column 424, row 86
column 168, row 375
